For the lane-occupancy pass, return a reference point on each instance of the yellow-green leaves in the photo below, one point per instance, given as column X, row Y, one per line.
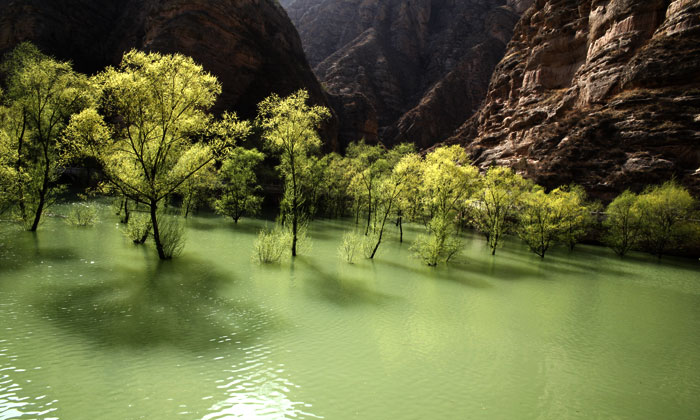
column 237, row 181
column 540, row 221
column 493, row 207
column 448, row 180
column 666, row 211
column 289, row 129
column 42, row 94
column 659, row 219
column 157, row 107
column 290, row 125
column 623, row 223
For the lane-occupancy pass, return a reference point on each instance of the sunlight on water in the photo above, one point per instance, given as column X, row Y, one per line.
column 92, row 326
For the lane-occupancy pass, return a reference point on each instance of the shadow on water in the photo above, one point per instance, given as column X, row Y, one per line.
column 173, row 303
column 29, row 246
column 339, row 289
column 455, row 272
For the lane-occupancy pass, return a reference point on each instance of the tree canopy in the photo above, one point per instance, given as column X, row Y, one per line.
column 289, row 128
column 160, row 131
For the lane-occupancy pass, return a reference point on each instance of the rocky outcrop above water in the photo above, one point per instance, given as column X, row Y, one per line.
column 250, row 45
column 404, row 71
column 605, row 93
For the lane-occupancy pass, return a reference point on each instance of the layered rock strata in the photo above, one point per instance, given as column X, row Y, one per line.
column 605, row 93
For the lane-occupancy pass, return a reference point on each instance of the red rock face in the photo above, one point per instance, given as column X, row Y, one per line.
column 404, row 71
column 250, row 45
column 605, row 93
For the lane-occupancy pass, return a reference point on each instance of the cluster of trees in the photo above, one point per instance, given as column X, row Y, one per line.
column 147, row 123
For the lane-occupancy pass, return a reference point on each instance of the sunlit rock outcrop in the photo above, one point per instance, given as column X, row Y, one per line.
column 604, row 93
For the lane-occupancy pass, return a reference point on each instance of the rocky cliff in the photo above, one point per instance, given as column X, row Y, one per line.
column 605, row 93
column 404, row 71
column 250, row 45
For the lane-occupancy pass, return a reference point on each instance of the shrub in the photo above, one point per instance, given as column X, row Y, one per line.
column 172, row 235
column 82, row 215
column 439, row 245
column 138, row 228
column 271, row 245
column 352, row 242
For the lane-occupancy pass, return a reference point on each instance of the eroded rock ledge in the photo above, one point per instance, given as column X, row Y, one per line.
column 605, row 93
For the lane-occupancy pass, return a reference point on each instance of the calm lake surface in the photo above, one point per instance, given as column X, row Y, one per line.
column 92, row 327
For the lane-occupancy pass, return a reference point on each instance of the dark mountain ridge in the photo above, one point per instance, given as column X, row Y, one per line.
column 404, row 71
column 250, row 45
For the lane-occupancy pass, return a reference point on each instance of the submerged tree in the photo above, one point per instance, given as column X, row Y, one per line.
column 336, row 182
column 623, row 223
column 369, row 165
column 540, row 221
column 197, row 189
column 406, row 172
column 42, row 94
column 447, row 181
column 290, row 130
column 575, row 213
column 665, row 211
column 156, row 106
column 239, row 184
column 494, row 206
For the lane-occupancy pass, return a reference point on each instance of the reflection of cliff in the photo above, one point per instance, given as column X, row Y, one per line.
column 250, row 45
column 404, row 71
column 604, row 93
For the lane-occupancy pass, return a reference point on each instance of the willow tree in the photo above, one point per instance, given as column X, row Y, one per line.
column 159, row 132
column 290, row 130
column 623, row 223
column 541, row 220
column 494, row 206
column 369, row 165
column 42, row 94
column 406, row 172
column 666, row 212
column 447, row 181
column 238, row 183
column 576, row 213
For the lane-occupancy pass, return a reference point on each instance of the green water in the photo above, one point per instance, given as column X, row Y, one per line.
column 92, row 327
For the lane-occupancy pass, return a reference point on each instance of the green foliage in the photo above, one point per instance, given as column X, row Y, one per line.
column 623, row 223
column 368, row 165
column 139, row 227
column 82, row 215
column 41, row 95
column 406, row 172
column 447, row 181
column 238, row 184
column 540, row 221
column 172, row 235
column 197, row 189
column 352, row 244
column 157, row 107
column 271, row 244
column 575, row 211
column 494, row 206
column 665, row 211
column 440, row 244
column 289, row 129
column 334, row 183
column 8, row 174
